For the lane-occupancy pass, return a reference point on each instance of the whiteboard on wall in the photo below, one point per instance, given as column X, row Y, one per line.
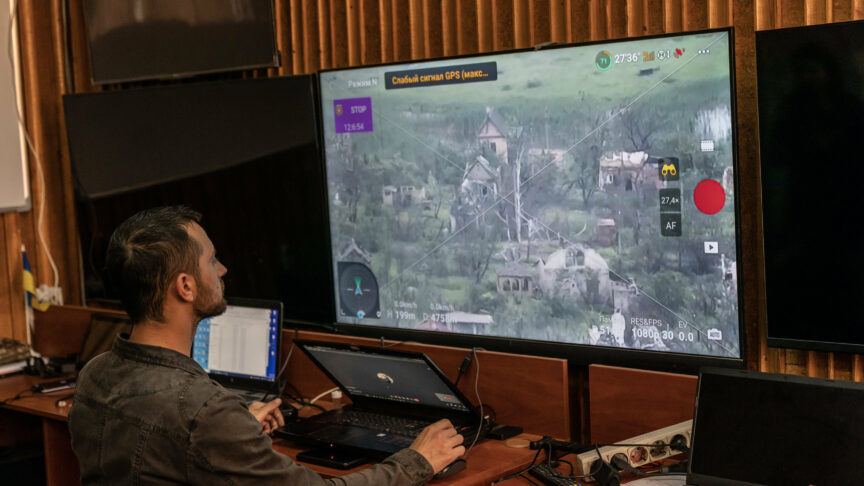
column 14, row 187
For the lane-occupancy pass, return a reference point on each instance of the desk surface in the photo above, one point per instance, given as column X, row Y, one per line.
column 486, row 462
column 41, row 404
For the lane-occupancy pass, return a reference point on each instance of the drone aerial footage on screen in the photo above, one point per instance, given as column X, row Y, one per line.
column 581, row 195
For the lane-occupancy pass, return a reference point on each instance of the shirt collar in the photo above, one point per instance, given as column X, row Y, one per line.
column 158, row 355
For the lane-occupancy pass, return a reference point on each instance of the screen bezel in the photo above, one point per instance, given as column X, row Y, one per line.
column 256, row 384
column 580, row 354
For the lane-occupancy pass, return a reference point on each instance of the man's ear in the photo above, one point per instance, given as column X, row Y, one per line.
column 186, row 287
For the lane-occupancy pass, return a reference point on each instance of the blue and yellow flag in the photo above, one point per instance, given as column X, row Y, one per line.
column 30, row 286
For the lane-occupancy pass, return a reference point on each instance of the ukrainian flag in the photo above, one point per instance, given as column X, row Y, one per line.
column 30, row 286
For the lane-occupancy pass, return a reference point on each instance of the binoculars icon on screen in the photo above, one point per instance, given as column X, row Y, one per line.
column 668, row 167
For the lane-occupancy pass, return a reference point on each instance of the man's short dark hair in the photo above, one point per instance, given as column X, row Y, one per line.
column 145, row 253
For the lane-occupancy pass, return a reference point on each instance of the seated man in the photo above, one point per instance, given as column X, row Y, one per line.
column 146, row 413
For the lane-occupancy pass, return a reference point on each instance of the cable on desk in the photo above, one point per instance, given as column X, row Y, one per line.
column 281, row 370
column 326, row 392
column 519, row 473
column 526, row 478
column 19, row 396
column 466, row 363
column 479, row 403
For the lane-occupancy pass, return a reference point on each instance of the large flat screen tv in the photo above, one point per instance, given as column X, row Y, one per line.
column 244, row 153
column 153, row 39
column 575, row 201
column 811, row 122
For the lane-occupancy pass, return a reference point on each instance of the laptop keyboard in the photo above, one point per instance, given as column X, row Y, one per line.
column 382, row 423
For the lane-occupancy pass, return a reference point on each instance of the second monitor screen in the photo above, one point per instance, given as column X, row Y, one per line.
column 579, row 195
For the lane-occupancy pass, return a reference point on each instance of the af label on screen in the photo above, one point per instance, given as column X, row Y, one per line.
column 670, row 224
column 352, row 115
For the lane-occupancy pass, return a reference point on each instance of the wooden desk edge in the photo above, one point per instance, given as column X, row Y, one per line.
column 484, row 463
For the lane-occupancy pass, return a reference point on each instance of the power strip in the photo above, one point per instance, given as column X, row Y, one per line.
column 47, row 293
column 639, row 455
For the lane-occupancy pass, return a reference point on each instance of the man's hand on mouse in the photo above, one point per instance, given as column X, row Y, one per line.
column 268, row 414
column 440, row 444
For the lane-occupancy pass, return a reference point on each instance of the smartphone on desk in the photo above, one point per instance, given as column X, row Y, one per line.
column 330, row 457
column 52, row 386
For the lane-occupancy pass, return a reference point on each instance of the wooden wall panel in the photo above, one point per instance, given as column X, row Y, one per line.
column 325, row 20
column 636, row 18
column 386, row 13
column 11, row 294
column 695, row 14
column 597, row 18
column 334, row 33
column 449, row 27
column 765, row 12
column 840, row 11
column 371, row 43
column 578, row 20
column 504, row 25
column 743, row 16
column 792, row 13
column 626, row 402
column 296, row 18
column 557, row 21
column 616, row 19
column 400, row 14
column 416, row 24
column 654, row 14
column 541, row 27
column 673, row 15
column 311, row 26
column 344, row 39
column 719, row 13
column 433, row 29
column 468, row 29
column 816, row 13
column 484, row 26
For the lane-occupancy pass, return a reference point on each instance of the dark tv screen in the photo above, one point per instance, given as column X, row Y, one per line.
column 150, row 39
column 244, row 153
column 745, row 422
column 811, row 121
column 575, row 201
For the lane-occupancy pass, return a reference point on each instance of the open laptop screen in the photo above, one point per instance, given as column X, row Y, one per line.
column 404, row 379
column 760, row 428
column 243, row 342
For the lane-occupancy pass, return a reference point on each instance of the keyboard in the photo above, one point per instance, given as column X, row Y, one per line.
column 550, row 477
column 394, row 425
column 390, row 424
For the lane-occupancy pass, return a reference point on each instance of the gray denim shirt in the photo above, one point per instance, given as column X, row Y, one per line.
column 150, row 415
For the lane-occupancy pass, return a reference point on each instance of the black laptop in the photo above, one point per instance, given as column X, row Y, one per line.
column 765, row 429
column 394, row 395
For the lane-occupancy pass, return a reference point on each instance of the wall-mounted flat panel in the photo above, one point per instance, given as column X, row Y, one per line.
column 14, row 191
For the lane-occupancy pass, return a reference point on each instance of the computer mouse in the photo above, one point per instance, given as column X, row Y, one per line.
column 450, row 469
column 289, row 412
